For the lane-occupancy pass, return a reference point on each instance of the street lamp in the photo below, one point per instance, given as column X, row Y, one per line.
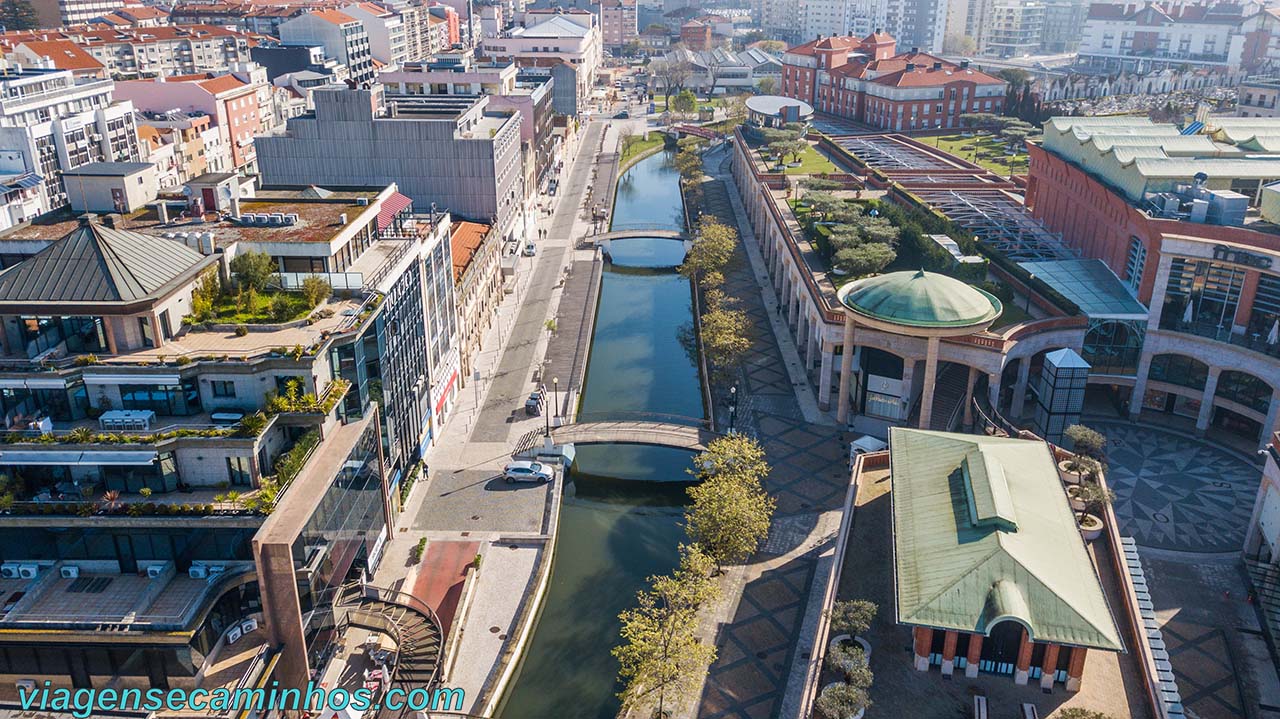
column 546, row 416
column 555, row 382
column 1027, row 305
column 733, row 406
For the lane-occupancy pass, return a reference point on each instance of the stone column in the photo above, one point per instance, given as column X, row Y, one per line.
column 824, row 378
column 968, row 397
column 949, row 653
column 1140, row 386
column 1020, row 389
column 1022, row 669
column 1206, row 400
column 974, row 656
column 923, row 642
column 846, row 372
column 1049, row 667
column 1269, row 426
column 1158, row 289
column 993, row 390
column 108, row 329
column 1075, row 670
column 930, row 379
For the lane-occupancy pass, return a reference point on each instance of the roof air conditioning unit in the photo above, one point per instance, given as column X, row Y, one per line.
column 291, row 218
column 362, row 201
column 155, row 571
column 9, row 570
column 234, row 634
column 69, row 571
column 198, row 571
column 216, row 569
column 28, row 571
column 277, row 218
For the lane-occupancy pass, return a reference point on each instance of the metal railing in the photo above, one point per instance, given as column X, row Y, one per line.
column 676, row 420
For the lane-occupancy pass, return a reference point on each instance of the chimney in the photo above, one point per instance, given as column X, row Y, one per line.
column 162, row 210
column 87, row 219
column 113, row 221
column 235, row 198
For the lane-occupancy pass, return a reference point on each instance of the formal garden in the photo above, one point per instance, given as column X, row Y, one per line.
column 991, row 141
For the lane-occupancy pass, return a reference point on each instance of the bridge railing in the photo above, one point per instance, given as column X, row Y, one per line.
column 651, row 417
column 638, row 228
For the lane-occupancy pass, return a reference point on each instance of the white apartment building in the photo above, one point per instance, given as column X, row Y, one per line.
column 388, row 42
column 77, row 12
column 1013, row 28
column 567, row 41
column 1141, row 38
column 918, row 24
column 841, row 17
column 50, row 123
column 342, row 36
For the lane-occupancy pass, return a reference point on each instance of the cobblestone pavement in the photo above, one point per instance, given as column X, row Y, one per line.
column 758, row 641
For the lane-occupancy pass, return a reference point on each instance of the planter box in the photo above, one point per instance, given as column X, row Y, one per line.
column 1076, row 504
column 1090, row 526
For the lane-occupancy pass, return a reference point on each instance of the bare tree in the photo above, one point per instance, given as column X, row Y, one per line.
column 673, row 71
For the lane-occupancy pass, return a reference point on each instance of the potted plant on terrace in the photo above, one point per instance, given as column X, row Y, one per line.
column 847, row 699
column 849, row 619
column 1094, row 498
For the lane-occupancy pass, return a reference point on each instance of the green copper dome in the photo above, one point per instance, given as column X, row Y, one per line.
column 920, row 299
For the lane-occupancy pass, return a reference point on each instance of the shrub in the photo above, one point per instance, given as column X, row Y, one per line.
column 253, row 269
column 852, row 616
column 281, row 308
column 1086, row 441
column 316, row 290
column 841, row 701
column 182, row 361
column 241, row 331
column 418, row 550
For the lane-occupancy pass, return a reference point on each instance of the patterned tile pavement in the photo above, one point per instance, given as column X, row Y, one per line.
column 809, row 475
column 1206, row 675
column 1178, row 492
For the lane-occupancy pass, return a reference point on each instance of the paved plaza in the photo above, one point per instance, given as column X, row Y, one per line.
column 1174, row 491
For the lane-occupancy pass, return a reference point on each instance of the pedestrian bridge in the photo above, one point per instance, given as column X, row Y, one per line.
column 604, row 238
column 662, row 434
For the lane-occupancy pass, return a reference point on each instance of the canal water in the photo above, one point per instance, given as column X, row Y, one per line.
column 620, row 518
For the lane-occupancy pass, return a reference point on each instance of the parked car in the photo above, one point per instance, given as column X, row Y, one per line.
column 624, row 115
column 533, row 405
column 525, row 471
column 530, row 249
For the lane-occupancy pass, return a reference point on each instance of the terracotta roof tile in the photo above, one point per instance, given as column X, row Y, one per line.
column 464, row 242
column 64, row 54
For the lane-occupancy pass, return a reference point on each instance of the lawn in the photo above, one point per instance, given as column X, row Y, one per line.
column 638, row 144
column 227, row 311
column 985, row 149
column 812, row 162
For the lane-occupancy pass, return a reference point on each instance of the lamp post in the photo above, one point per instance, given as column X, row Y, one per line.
column 733, row 407
column 555, row 382
column 546, row 416
column 1027, row 305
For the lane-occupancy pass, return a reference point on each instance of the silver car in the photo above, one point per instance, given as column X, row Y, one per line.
column 525, row 471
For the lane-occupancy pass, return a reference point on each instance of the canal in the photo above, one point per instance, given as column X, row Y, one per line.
column 620, row 517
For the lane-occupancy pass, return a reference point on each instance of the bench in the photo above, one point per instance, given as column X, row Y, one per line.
column 1029, row 711
column 979, row 707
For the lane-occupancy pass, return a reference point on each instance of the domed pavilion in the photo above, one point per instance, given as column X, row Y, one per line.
column 919, row 304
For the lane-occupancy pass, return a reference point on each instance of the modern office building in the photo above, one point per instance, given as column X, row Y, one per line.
column 158, row 460
column 565, row 47
column 387, row 31
column 451, row 152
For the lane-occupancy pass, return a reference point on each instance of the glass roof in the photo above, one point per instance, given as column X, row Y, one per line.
column 1091, row 285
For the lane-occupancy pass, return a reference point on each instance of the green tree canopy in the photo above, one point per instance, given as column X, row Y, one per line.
column 685, row 101
column 253, row 269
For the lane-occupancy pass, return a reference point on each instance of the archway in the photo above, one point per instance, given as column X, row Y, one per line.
column 1000, row 648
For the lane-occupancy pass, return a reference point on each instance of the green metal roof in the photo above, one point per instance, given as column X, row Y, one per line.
column 983, row 533
column 921, row 299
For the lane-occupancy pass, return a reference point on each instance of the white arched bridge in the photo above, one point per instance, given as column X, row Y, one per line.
column 690, row 433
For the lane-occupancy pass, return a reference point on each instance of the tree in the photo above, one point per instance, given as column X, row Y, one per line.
column 711, row 249
column 672, row 72
column 1082, row 713
column 724, row 339
column 732, row 453
column 865, row 259
column 660, row 656
column 685, row 102
column 730, row 513
column 842, row 700
column 205, row 294
column 316, row 290
column 18, row 15
column 253, row 269
column 1089, row 442
column 767, row 85
column 851, row 616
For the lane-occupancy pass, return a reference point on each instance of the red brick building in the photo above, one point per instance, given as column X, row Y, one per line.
column 867, row 81
column 696, row 35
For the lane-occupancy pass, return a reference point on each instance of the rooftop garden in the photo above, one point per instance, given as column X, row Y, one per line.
column 862, row 237
column 998, row 145
column 248, row 299
column 786, row 150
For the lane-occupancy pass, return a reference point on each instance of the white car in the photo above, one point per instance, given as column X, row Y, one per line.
column 525, row 471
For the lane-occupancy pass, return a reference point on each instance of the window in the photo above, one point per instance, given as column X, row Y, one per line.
column 239, row 472
column 224, row 388
column 1136, row 263
column 1243, row 388
column 1180, row 370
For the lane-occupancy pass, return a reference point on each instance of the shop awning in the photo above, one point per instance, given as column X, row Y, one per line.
column 32, row 383
column 132, row 379
column 391, row 207
column 115, row 459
